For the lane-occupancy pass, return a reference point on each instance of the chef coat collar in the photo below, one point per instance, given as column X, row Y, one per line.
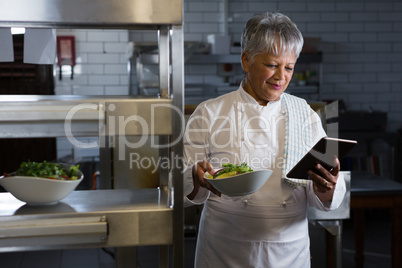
column 248, row 98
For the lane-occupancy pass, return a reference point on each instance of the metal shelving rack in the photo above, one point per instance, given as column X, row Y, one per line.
column 118, row 218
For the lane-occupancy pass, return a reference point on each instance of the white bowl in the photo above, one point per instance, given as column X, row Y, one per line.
column 38, row 191
column 243, row 184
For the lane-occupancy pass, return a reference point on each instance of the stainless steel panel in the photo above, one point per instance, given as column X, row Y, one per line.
column 74, row 116
column 44, row 119
column 53, row 231
column 140, row 117
column 49, row 227
column 134, row 217
column 51, row 242
column 137, row 167
column 139, row 228
column 90, row 13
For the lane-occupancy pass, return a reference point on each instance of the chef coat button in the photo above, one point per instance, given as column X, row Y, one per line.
column 284, row 204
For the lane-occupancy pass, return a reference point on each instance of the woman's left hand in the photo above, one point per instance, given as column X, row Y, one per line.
column 324, row 181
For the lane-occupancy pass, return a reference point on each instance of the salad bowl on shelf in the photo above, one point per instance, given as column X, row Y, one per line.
column 35, row 190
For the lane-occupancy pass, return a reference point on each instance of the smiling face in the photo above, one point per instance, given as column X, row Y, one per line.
column 267, row 76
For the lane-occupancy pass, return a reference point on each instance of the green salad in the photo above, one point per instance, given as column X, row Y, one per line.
column 229, row 170
column 47, row 170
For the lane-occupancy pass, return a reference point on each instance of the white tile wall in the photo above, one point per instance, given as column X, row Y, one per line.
column 101, row 69
column 361, row 42
column 362, row 48
column 101, row 63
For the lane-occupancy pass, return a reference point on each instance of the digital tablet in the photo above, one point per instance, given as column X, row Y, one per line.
column 322, row 152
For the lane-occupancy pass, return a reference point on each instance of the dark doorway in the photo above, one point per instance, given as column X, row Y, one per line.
column 18, row 78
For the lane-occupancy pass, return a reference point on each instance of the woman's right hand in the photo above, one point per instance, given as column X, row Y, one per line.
column 199, row 170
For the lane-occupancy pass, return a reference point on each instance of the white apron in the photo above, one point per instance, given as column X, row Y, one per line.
column 268, row 228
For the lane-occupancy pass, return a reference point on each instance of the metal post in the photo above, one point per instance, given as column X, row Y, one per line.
column 177, row 145
column 334, row 227
column 338, row 246
column 164, row 56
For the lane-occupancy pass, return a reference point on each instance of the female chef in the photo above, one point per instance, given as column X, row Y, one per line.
column 262, row 125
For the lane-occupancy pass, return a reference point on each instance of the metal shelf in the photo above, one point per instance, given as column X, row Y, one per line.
column 75, row 116
column 132, row 217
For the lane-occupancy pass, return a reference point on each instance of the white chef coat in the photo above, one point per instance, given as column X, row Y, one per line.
column 268, row 228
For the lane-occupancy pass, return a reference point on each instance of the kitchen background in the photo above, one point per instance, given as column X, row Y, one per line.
column 360, row 41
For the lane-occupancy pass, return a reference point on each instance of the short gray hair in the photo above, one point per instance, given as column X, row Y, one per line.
column 272, row 33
